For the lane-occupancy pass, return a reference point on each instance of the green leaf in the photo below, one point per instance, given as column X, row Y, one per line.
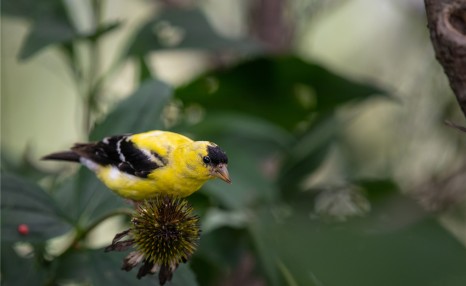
column 86, row 199
column 377, row 189
column 220, row 251
column 141, row 111
column 144, row 70
column 45, row 32
column 369, row 251
column 24, row 165
column 26, row 203
column 50, row 24
column 307, row 154
column 17, row 270
column 33, row 10
column 183, row 29
column 102, row 30
column 184, row 276
column 285, row 90
column 95, row 267
column 239, row 127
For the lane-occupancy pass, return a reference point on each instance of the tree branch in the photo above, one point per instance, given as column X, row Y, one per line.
column 447, row 25
column 270, row 25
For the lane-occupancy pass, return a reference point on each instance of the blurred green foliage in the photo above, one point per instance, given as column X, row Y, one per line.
column 183, row 29
column 265, row 110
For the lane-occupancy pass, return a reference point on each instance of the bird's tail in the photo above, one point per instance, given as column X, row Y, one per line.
column 70, row 156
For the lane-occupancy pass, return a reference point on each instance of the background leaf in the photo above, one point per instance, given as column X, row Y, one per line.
column 25, row 166
column 183, row 29
column 219, row 253
column 285, row 90
column 141, row 111
column 18, row 270
column 45, row 32
column 86, row 199
column 30, row 9
column 50, row 24
column 308, row 251
column 26, row 203
column 307, row 154
column 95, row 267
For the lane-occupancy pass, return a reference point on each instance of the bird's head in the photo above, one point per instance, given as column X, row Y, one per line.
column 207, row 160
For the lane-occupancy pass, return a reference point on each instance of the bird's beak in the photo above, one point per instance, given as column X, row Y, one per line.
column 221, row 171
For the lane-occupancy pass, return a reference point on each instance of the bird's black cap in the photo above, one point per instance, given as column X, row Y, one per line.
column 216, row 155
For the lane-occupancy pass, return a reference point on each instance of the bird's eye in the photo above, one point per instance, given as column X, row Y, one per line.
column 206, row 159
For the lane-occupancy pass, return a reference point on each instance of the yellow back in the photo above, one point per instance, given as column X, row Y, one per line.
column 161, row 142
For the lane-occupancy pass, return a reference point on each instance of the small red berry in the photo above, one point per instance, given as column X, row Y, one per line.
column 23, row 229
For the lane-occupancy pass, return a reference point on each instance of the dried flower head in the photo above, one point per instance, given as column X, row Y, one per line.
column 342, row 202
column 164, row 232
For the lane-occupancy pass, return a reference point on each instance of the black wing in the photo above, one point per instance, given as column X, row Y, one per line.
column 120, row 152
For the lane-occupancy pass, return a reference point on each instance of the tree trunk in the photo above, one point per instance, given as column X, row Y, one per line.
column 447, row 25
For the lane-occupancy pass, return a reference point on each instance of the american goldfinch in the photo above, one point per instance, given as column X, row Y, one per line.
column 140, row 166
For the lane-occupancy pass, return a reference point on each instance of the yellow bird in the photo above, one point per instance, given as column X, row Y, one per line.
column 140, row 166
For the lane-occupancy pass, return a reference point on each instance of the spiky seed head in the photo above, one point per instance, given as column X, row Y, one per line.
column 165, row 230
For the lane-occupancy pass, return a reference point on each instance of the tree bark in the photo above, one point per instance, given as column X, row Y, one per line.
column 447, row 25
column 446, row 20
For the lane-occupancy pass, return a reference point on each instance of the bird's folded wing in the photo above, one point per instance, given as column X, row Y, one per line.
column 120, row 152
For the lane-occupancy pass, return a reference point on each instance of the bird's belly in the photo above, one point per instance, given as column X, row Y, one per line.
column 137, row 188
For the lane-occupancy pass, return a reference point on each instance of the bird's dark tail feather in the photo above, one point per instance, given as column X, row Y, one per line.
column 63, row 156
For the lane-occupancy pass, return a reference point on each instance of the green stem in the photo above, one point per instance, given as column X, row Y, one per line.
column 93, row 87
column 83, row 233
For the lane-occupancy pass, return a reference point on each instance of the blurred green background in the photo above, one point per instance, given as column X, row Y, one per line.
column 330, row 111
